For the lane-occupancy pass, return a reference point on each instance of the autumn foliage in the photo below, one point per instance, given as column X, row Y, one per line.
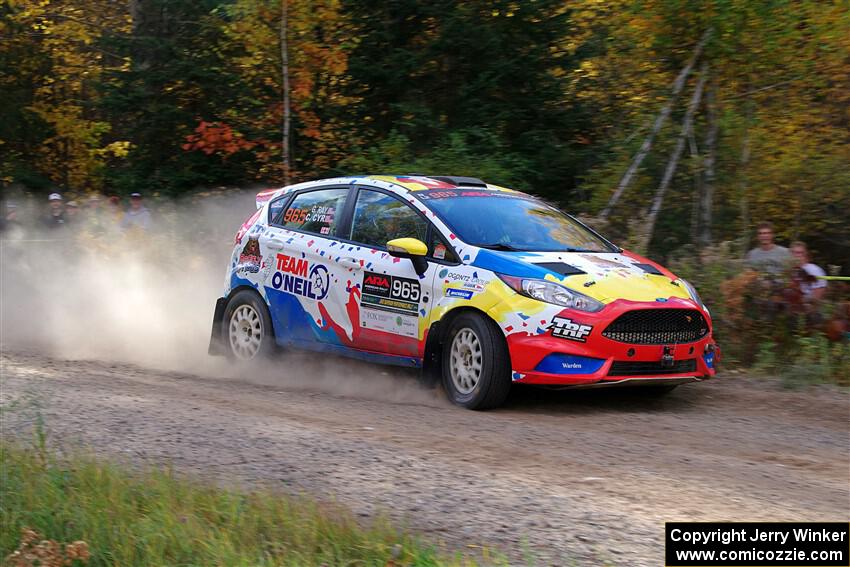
column 551, row 96
column 216, row 137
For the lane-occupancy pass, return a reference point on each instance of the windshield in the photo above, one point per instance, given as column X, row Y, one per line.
column 511, row 221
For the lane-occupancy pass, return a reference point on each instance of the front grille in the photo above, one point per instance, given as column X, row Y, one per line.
column 652, row 368
column 658, row 327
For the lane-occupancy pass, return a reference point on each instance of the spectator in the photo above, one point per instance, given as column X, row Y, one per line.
column 9, row 224
column 96, row 220
column 768, row 257
column 72, row 211
column 56, row 215
column 113, row 206
column 812, row 288
column 11, row 214
column 137, row 217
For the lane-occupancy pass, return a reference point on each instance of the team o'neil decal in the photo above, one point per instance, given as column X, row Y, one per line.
column 565, row 328
column 300, row 277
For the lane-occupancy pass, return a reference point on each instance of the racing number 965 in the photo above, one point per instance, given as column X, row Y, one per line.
column 405, row 289
column 297, row 216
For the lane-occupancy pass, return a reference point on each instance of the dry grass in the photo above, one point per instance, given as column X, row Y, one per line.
column 117, row 517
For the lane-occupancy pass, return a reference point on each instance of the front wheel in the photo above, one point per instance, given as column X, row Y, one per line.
column 476, row 363
column 247, row 327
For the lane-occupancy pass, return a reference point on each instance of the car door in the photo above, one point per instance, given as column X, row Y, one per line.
column 299, row 273
column 389, row 302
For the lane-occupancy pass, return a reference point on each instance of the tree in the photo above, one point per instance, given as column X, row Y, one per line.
column 175, row 79
column 484, row 70
column 309, row 80
column 59, row 62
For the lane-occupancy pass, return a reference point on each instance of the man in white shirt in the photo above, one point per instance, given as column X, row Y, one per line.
column 137, row 217
column 813, row 289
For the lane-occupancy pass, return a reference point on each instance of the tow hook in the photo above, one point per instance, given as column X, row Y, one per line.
column 667, row 357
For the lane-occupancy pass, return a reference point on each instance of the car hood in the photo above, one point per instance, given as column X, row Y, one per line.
column 602, row 276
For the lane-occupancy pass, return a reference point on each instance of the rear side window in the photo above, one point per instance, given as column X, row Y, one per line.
column 276, row 209
column 315, row 211
column 379, row 218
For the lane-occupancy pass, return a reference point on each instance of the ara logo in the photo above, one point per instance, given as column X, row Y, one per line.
column 295, row 275
column 378, row 281
column 564, row 328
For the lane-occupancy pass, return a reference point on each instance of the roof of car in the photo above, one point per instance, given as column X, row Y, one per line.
column 419, row 182
column 411, row 182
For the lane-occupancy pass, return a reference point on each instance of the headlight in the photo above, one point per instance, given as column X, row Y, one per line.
column 550, row 292
column 692, row 291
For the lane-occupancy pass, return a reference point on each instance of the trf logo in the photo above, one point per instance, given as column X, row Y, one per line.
column 564, row 328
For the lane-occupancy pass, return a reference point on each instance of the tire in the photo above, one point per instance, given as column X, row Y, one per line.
column 476, row 363
column 246, row 329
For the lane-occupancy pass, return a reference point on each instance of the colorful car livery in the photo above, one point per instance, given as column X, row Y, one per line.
column 480, row 284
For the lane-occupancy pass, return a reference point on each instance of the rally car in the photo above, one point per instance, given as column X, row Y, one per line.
column 483, row 285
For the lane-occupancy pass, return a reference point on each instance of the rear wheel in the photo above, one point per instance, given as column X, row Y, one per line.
column 247, row 327
column 476, row 363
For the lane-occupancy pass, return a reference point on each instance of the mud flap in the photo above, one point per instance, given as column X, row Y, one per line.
column 216, row 343
column 430, row 373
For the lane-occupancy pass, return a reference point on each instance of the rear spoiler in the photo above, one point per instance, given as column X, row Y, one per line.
column 265, row 195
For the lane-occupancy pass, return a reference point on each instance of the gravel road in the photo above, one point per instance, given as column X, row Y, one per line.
column 565, row 478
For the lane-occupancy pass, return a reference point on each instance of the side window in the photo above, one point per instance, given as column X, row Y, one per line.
column 379, row 217
column 315, row 211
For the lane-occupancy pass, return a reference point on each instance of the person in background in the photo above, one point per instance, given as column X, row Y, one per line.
column 97, row 221
column 9, row 224
column 55, row 217
column 812, row 288
column 768, row 257
column 72, row 212
column 11, row 217
column 137, row 217
column 113, row 208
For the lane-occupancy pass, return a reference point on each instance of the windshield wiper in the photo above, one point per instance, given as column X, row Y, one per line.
column 500, row 246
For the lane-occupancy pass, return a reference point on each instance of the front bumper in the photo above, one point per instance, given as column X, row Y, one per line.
column 549, row 360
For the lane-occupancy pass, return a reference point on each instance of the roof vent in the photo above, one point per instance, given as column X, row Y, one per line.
column 460, row 181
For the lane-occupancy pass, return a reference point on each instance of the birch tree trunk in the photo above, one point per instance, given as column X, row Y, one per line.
column 699, row 188
column 707, row 206
column 742, row 183
column 284, row 61
column 678, row 84
column 673, row 162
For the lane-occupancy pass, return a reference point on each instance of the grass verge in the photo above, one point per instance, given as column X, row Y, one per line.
column 153, row 517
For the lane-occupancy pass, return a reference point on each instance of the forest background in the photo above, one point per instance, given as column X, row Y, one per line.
column 673, row 125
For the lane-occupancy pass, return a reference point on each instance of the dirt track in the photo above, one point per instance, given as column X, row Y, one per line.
column 564, row 477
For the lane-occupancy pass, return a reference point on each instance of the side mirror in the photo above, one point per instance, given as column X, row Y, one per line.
column 411, row 248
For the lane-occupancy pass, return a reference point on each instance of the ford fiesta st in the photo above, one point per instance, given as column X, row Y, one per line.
column 485, row 285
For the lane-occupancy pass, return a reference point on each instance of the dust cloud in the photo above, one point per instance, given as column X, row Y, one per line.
column 148, row 299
